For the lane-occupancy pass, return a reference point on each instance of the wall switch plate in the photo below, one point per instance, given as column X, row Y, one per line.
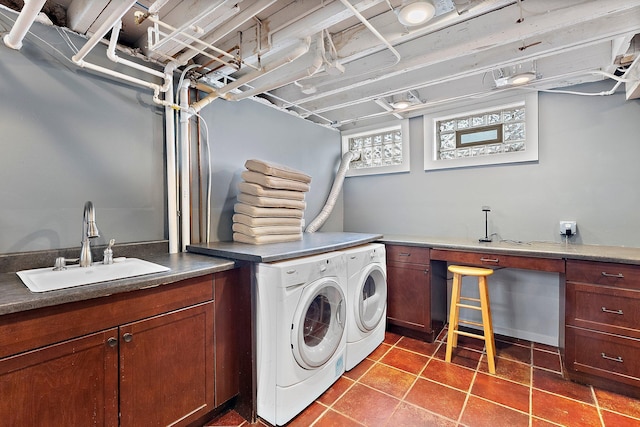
column 568, row 228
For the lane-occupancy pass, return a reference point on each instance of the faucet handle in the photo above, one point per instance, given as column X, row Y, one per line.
column 60, row 264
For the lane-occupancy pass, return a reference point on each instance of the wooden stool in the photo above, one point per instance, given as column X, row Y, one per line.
column 454, row 314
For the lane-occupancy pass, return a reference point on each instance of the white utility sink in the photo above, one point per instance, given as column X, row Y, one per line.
column 46, row 279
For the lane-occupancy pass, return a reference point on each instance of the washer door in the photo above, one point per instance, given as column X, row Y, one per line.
column 371, row 298
column 318, row 324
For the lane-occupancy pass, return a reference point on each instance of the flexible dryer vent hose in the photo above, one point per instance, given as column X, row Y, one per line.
column 333, row 194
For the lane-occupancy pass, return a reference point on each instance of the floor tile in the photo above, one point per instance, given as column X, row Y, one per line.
column 618, row 403
column 391, row 338
column 546, row 347
column 380, row 351
column 546, row 360
column 334, row 419
column 460, row 356
column 442, row 335
column 513, row 340
column 513, row 351
column 308, row 416
column 336, row 390
column 388, row 380
column 501, row 391
column 538, row 422
column 405, row 360
column 407, row 415
column 611, row 419
column 418, row 346
column 227, row 419
column 509, row 369
column 563, row 411
column 555, row 383
column 482, row 413
column 449, row 374
column 359, row 370
column 368, row 406
column 436, row 398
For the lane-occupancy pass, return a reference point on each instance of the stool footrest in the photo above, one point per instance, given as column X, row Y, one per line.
column 472, row 307
column 471, row 299
column 469, row 334
column 469, row 322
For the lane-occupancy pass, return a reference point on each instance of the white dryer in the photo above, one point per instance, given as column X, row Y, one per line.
column 300, row 332
column 366, row 301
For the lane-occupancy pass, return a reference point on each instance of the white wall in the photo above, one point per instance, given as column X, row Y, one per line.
column 587, row 171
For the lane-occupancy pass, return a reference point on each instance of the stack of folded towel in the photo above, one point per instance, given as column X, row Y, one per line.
column 270, row 204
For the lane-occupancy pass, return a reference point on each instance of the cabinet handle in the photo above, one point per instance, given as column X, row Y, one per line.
column 404, row 254
column 617, row 276
column 606, row 310
column 112, row 342
column 613, row 359
column 426, row 271
column 496, row 260
column 127, row 337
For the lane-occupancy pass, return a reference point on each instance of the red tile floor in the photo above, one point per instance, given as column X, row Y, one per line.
column 405, row 382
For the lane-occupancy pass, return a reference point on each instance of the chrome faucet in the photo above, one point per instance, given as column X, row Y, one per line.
column 89, row 231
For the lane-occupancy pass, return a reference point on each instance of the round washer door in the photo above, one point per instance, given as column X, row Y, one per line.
column 318, row 324
column 371, row 298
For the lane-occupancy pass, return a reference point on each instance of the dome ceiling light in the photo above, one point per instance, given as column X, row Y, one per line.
column 416, row 12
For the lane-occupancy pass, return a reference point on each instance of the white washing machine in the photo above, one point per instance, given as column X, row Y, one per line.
column 300, row 332
column 366, row 301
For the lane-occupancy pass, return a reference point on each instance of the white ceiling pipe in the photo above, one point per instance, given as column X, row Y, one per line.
column 172, row 180
column 111, row 54
column 116, row 16
column 293, row 54
column 25, row 20
column 225, row 29
column 155, row 7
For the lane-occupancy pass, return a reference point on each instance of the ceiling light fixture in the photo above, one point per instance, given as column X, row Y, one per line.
column 522, row 78
column 415, row 12
column 405, row 100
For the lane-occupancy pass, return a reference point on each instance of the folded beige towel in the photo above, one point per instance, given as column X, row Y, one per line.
column 264, row 231
column 259, row 240
column 270, row 202
column 273, row 169
column 267, row 212
column 265, row 221
column 259, row 190
column 274, row 182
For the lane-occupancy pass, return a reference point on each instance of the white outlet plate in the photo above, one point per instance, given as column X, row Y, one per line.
column 568, row 228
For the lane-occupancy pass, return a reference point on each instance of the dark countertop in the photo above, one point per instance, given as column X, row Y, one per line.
column 619, row 254
column 16, row 297
column 311, row 244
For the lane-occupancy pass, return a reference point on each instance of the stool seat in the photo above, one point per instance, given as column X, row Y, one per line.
column 484, row 306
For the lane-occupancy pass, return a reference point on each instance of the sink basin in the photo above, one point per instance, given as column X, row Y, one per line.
column 46, row 279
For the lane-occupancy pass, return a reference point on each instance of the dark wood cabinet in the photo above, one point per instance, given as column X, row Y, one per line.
column 143, row 358
column 602, row 325
column 416, row 299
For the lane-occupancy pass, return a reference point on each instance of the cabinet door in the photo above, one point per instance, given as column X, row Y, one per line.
column 73, row 383
column 167, row 368
column 408, row 296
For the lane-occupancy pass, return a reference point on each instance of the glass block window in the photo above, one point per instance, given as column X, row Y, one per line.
column 484, row 133
column 477, row 133
column 381, row 149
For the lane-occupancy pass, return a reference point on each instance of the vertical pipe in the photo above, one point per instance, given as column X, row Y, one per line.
column 185, row 200
column 170, row 141
column 25, row 20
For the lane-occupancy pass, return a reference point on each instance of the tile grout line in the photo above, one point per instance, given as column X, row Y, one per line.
column 595, row 399
column 468, row 394
column 531, row 390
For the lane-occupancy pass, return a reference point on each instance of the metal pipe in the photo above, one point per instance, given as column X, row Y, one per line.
column 25, row 20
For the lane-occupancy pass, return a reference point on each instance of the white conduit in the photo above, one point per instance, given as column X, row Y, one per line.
column 333, row 194
column 111, row 53
column 170, row 143
column 25, row 20
column 185, row 198
column 294, row 54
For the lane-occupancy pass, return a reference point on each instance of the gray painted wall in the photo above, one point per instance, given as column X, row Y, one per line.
column 69, row 136
column 587, row 171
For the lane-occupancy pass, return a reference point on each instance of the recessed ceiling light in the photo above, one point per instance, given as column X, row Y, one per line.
column 522, row 78
column 415, row 13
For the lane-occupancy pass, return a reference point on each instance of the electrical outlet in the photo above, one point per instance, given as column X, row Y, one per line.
column 568, row 228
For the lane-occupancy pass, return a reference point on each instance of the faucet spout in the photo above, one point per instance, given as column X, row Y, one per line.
column 89, row 231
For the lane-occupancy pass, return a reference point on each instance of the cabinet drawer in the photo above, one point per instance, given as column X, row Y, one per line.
column 407, row 254
column 604, row 355
column 603, row 308
column 604, row 273
column 498, row 260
